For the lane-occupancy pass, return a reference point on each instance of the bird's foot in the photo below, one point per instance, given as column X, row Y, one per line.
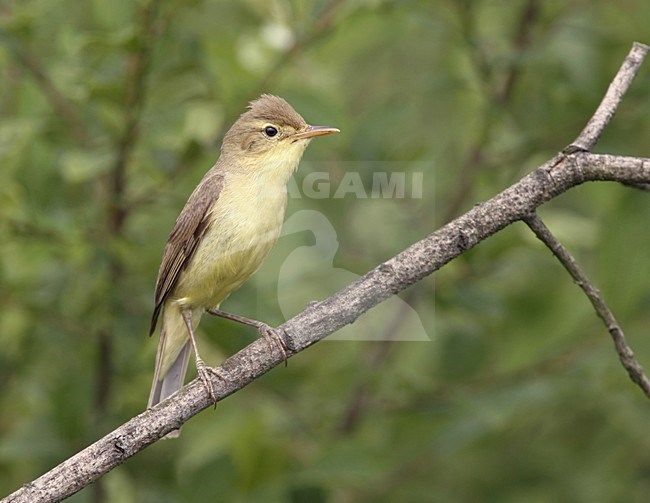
column 273, row 337
column 205, row 373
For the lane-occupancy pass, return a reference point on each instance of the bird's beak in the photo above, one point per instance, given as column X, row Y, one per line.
column 313, row 131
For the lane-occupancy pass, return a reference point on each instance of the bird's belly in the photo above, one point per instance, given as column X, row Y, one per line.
column 230, row 251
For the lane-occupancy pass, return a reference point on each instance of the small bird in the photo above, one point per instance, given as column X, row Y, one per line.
column 226, row 229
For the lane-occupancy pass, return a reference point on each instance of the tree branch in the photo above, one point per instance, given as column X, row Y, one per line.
column 607, row 108
column 566, row 170
column 624, row 351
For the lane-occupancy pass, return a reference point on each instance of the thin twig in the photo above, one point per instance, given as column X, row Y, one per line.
column 625, row 354
column 607, row 108
column 585, row 142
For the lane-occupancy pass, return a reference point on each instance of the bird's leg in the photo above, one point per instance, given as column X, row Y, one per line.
column 201, row 368
column 269, row 333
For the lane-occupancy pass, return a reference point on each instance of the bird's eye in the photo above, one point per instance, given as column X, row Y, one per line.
column 270, row 131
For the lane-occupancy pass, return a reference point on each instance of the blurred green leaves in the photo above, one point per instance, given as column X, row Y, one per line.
column 85, row 165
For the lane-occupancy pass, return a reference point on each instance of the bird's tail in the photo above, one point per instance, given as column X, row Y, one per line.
column 173, row 354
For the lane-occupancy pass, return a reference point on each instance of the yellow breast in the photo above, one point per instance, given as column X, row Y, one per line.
column 245, row 224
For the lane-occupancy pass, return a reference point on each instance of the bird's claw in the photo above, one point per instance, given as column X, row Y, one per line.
column 272, row 335
column 204, row 373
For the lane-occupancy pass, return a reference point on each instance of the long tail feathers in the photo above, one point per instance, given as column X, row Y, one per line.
column 173, row 354
column 174, row 349
column 173, row 380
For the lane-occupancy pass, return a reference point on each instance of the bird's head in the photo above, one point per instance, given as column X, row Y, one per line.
column 270, row 135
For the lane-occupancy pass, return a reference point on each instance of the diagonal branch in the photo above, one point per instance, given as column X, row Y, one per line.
column 517, row 202
column 607, row 108
column 624, row 351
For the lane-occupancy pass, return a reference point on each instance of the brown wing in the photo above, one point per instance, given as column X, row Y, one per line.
column 184, row 238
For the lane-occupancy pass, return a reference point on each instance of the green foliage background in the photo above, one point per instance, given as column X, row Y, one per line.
column 110, row 112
